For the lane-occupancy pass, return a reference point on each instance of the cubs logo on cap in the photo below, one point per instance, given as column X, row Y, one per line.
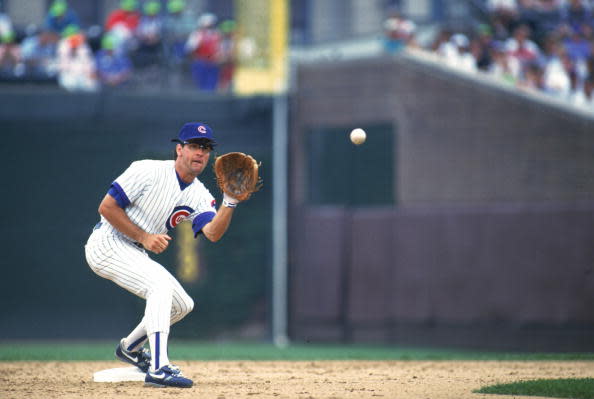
column 195, row 131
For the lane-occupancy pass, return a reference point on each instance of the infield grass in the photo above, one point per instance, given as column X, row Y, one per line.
column 190, row 350
column 575, row 388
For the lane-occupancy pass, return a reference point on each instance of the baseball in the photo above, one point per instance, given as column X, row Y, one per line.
column 358, row 136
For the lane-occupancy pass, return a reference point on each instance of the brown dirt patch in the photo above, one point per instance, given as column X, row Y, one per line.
column 319, row 379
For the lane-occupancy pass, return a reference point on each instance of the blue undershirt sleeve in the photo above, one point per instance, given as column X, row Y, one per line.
column 200, row 221
column 117, row 192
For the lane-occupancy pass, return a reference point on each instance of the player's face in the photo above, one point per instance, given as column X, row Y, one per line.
column 193, row 157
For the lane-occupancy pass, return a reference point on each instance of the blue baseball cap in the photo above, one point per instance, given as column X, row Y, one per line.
column 195, row 131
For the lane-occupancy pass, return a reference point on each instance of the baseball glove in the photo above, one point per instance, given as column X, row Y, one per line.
column 237, row 175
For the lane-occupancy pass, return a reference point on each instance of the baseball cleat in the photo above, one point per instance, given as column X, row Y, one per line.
column 140, row 359
column 167, row 376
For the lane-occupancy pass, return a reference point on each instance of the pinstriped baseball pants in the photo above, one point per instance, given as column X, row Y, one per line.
column 131, row 268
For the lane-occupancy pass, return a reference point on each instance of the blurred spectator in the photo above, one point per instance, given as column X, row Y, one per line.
column 114, row 69
column 503, row 66
column 398, row 32
column 39, row 54
column 149, row 35
column 557, row 74
column 587, row 31
column 576, row 43
column 589, row 64
column 502, row 6
column 551, row 48
column 456, row 53
column 547, row 18
column 463, row 58
column 94, row 36
column 481, row 47
column 576, row 13
column 521, row 47
column 533, row 77
column 527, row 12
column 10, row 57
column 5, row 24
column 150, row 26
column 227, row 55
column 204, row 45
column 178, row 23
column 446, row 48
column 59, row 16
column 76, row 65
column 177, row 26
column 503, row 15
column 583, row 97
column 122, row 24
column 443, row 36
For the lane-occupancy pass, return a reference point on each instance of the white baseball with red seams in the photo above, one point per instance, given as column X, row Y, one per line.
column 358, row 136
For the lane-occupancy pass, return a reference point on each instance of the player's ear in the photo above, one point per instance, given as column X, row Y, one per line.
column 176, row 151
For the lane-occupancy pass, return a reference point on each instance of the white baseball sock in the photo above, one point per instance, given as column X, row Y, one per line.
column 137, row 338
column 158, row 342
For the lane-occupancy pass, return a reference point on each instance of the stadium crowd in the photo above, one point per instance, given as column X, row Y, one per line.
column 135, row 45
column 537, row 45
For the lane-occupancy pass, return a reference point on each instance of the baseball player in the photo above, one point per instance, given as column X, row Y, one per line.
column 150, row 198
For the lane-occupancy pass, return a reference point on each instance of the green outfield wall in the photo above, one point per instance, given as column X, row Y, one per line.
column 59, row 154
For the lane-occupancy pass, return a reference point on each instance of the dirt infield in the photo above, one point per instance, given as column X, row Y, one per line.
column 263, row 379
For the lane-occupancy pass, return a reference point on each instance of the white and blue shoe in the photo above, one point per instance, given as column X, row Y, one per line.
column 140, row 358
column 167, row 376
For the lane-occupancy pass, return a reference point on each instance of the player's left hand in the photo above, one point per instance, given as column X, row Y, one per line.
column 237, row 176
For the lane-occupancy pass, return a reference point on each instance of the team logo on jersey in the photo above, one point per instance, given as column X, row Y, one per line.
column 213, row 203
column 178, row 215
column 201, row 129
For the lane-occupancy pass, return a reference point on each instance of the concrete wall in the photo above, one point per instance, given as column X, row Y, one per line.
column 459, row 142
column 488, row 243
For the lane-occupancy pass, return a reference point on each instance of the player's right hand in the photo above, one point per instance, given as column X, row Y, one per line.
column 156, row 243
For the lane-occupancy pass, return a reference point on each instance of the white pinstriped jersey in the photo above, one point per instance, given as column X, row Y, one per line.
column 156, row 201
column 152, row 196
